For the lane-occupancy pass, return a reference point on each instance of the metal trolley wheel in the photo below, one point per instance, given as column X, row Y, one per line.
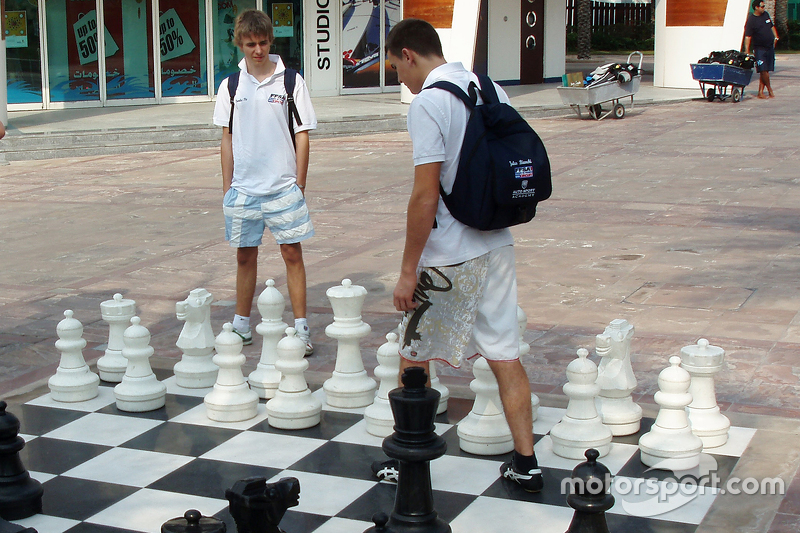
column 736, row 94
column 619, row 111
column 595, row 111
column 710, row 94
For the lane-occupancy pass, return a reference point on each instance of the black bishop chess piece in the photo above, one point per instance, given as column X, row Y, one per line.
column 590, row 495
column 414, row 444
column 20, row 495
column 258, row 507
column 193, row 521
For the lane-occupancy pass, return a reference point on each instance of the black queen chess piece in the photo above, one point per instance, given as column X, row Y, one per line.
column 590, row 495
column 414, row 444
column 193, row 521
column 20, row 495
column 258, row 507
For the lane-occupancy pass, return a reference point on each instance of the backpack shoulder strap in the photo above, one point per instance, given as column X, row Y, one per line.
column 488, row 92
column 233, row 84
column 289, row 82
column 456, row 90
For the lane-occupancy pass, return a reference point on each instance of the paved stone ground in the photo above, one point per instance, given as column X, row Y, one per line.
column 681, row 218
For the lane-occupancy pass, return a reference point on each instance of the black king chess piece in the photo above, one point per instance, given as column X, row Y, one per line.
column 20, row 495
column 414, row 444
column 590, row 495
column 258, row 507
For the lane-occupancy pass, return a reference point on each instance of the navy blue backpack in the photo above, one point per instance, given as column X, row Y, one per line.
column 503, row 170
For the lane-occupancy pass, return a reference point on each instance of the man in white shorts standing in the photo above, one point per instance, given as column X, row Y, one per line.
column 263, row 175
column 457, row 284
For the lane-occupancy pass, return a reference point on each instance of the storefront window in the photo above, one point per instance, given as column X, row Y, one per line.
column 287, row 22
column 23, row 55
column 362, row 41
column 72, row 50
column 182, row 27
column 129, row 49
column 226, row 54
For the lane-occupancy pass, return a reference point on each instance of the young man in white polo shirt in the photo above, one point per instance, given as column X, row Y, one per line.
column 457, row 286
column 263, row 175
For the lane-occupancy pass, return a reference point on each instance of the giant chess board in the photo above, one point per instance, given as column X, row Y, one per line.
column 107, row 471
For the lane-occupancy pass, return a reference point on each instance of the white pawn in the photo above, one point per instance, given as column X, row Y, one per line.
column 195, row 370
column 73, row 380
column 444, row 392
column 349, row 386
column 616, row 379
column 293, row 407
column 581, row 427
column 378, row 416
column 702, row 361
column 524, row 349
column 231, row 400
column 266, row 378
column 670, row 443
column 484, row 431
column 140, row 390
column 118, row 313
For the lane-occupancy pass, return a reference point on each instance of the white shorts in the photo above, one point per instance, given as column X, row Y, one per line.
column 285, row 214
column 465, row 310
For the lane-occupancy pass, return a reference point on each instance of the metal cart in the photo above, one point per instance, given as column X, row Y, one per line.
column 592, row 97
column 719, row 77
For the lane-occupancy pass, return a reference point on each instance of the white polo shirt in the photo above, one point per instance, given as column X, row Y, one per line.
column 437, row 120
column 264, row 159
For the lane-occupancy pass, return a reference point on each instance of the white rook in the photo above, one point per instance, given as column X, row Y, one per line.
column 702, row 361
column 118, row 313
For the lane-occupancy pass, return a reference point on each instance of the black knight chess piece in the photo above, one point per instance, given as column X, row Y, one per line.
column 258, row 507
column 20, row 495
column 414, row 444
column 590, row 495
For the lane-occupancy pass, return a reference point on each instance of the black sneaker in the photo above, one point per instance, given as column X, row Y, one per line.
column 531, row 482
column 386, row 470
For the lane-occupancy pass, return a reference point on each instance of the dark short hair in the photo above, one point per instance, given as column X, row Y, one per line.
column 757, row 3
column 252, row 22
column 416, row 35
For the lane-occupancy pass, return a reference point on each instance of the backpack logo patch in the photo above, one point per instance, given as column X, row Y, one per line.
column 522, row 173
column 277, row 99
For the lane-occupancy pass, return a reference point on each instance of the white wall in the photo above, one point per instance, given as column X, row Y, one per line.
column 678, row 46
column 555, row 38
column 323, row 56
column 458, row 42
column 504, row 36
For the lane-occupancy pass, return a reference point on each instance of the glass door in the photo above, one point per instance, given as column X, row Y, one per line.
column 184, row 58
column 226, row 54
column 23, row 54
column 365, row 24
column 128, row 50
column 72, row 51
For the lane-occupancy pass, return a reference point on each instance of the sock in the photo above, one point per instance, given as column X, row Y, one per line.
column 524, row 463
column 301, row 325
column 241, row 323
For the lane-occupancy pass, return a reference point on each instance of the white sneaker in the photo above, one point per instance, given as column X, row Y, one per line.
column 305, row 336
column 247, row 336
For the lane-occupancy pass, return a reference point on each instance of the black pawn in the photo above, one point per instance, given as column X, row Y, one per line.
column 590, row 495
column 414, row 444
column 193, row 521
column 20, row 495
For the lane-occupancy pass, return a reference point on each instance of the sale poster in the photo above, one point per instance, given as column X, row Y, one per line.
column 179, row 29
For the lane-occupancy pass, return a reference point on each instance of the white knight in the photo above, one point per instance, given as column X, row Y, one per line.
column 196, row 369
column 616, row 380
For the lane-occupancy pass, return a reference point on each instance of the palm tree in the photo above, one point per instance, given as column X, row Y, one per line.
column 781, row 15
column 584, row 26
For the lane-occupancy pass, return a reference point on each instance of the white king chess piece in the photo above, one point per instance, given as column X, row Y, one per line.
column 616, row 380
column 73, row 380
column 118, row 313
column 196, row 369
column 702, row 361
column 265, row 379
column 349, row 386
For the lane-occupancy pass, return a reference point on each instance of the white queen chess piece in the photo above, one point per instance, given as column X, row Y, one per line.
column 195, row 370
column 349, row 386
column 378, row 416
column 293, row 407
column 140, row 390
column 118, row 312
column 73, row 380
column 484, row 431
column 670, row 443
column 581, row 427
column 616, row 380
column 703, row 361
column 231, row 400
column 266, row 378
